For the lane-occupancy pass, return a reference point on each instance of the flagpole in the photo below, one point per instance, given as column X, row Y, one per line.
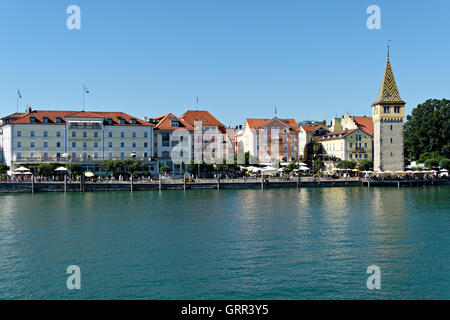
column 84, row 91
column 17, row 98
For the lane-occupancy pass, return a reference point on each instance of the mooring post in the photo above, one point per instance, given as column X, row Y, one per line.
column 159, row 182
column 398, row 184
column 131, row 183
column 184, row 181
column 65, row 183
column 262, row 181
column 218, row 182
column 32, row 183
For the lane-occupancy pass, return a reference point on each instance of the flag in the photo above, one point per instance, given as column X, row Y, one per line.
column 197, row 99
column 18, row 93
column 86, row 90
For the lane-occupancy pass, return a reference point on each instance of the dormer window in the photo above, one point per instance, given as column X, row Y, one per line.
column 175, row 123
column 109, row 121
column 206, row 120
column 32, row 119
column 122, row 121
column 133, row 121
column 45, row 119
column 58, row 120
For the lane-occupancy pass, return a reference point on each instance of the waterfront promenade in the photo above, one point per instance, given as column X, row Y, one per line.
column 180, row 184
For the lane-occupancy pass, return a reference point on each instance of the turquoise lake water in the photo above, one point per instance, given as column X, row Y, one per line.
column 311, row 243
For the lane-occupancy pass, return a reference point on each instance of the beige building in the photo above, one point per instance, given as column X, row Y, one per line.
column 353, row 145
column 307, row 145
column 40, row 136
column 269, row 140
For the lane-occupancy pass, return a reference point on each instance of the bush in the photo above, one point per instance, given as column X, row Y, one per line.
column 444, row 163
column 428, row 156
column 47, row 169
column 431, row 163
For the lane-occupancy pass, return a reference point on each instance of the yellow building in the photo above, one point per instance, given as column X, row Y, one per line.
column 353, row 145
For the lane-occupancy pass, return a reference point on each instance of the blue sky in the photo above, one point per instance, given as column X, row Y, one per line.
column 313, row 59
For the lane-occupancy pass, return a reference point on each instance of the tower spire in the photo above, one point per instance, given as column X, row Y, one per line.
column 388, row 47
column 388, row 93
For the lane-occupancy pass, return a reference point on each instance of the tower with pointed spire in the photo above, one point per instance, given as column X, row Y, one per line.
column 388, row 114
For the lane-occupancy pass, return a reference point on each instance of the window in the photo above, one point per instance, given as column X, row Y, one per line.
column 133, row 121
column 32, row 119
column 122, row 121
column 32, row 144
column 286, row 139
column 74, row 134
column 95, row 134
column 293, row 138
column 391, row 127
column 122, row 155
column 122, row 145
column 110, row 134
column 45, row 134
column 285, row 147
column 351, row 145
column 110, row 144
column 365, row 155
column 387, row 109
column 134, row 135
column 145, row 145
column 285, row 130
column 58, row 145
column 45, row 155
column 391, row 140
column 122, row 134
column 19, row 133
column 350, row 155
column 85, row 145
column 109, row 121
column 134, row 145
column 145, row 135
column 110, row 155
column 84, row 134
column 74, row 155
column 85, row 155
column 45, row 120
column 74, row 145
column 19, row 144
column 45, row 144
column 396, row 109
column 58, row 120
column 19, row 155
column 31, row 133
column 58, row 134
column 392, row 154
column 95, row 145
column 365, row 145
column 293, row 148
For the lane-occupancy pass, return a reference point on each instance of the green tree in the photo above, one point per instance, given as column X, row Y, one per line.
column 165, row 169
column 444, row 164
column 75, row 168
column 318, row 164
column 365, row 165
column 428, row 129
column 47, row 169
column 431, row 163
column 346, row 164
column 3, row 168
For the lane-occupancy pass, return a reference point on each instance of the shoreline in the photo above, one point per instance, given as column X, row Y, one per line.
column 27, row 187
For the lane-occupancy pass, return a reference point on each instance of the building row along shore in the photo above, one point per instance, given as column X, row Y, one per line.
column 90, row 137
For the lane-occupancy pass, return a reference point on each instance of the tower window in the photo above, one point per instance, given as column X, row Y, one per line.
column 391, row 140
column 396, row 109
column 387, row 109
column 391, row 127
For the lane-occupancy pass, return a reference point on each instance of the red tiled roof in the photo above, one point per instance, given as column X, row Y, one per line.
column 165, row 123
column 52, row 115
column 255, row 123
column 191, row 116
column 309, row 128
column 365, row 124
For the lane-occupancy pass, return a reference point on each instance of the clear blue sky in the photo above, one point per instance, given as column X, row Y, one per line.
column 313, row 59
